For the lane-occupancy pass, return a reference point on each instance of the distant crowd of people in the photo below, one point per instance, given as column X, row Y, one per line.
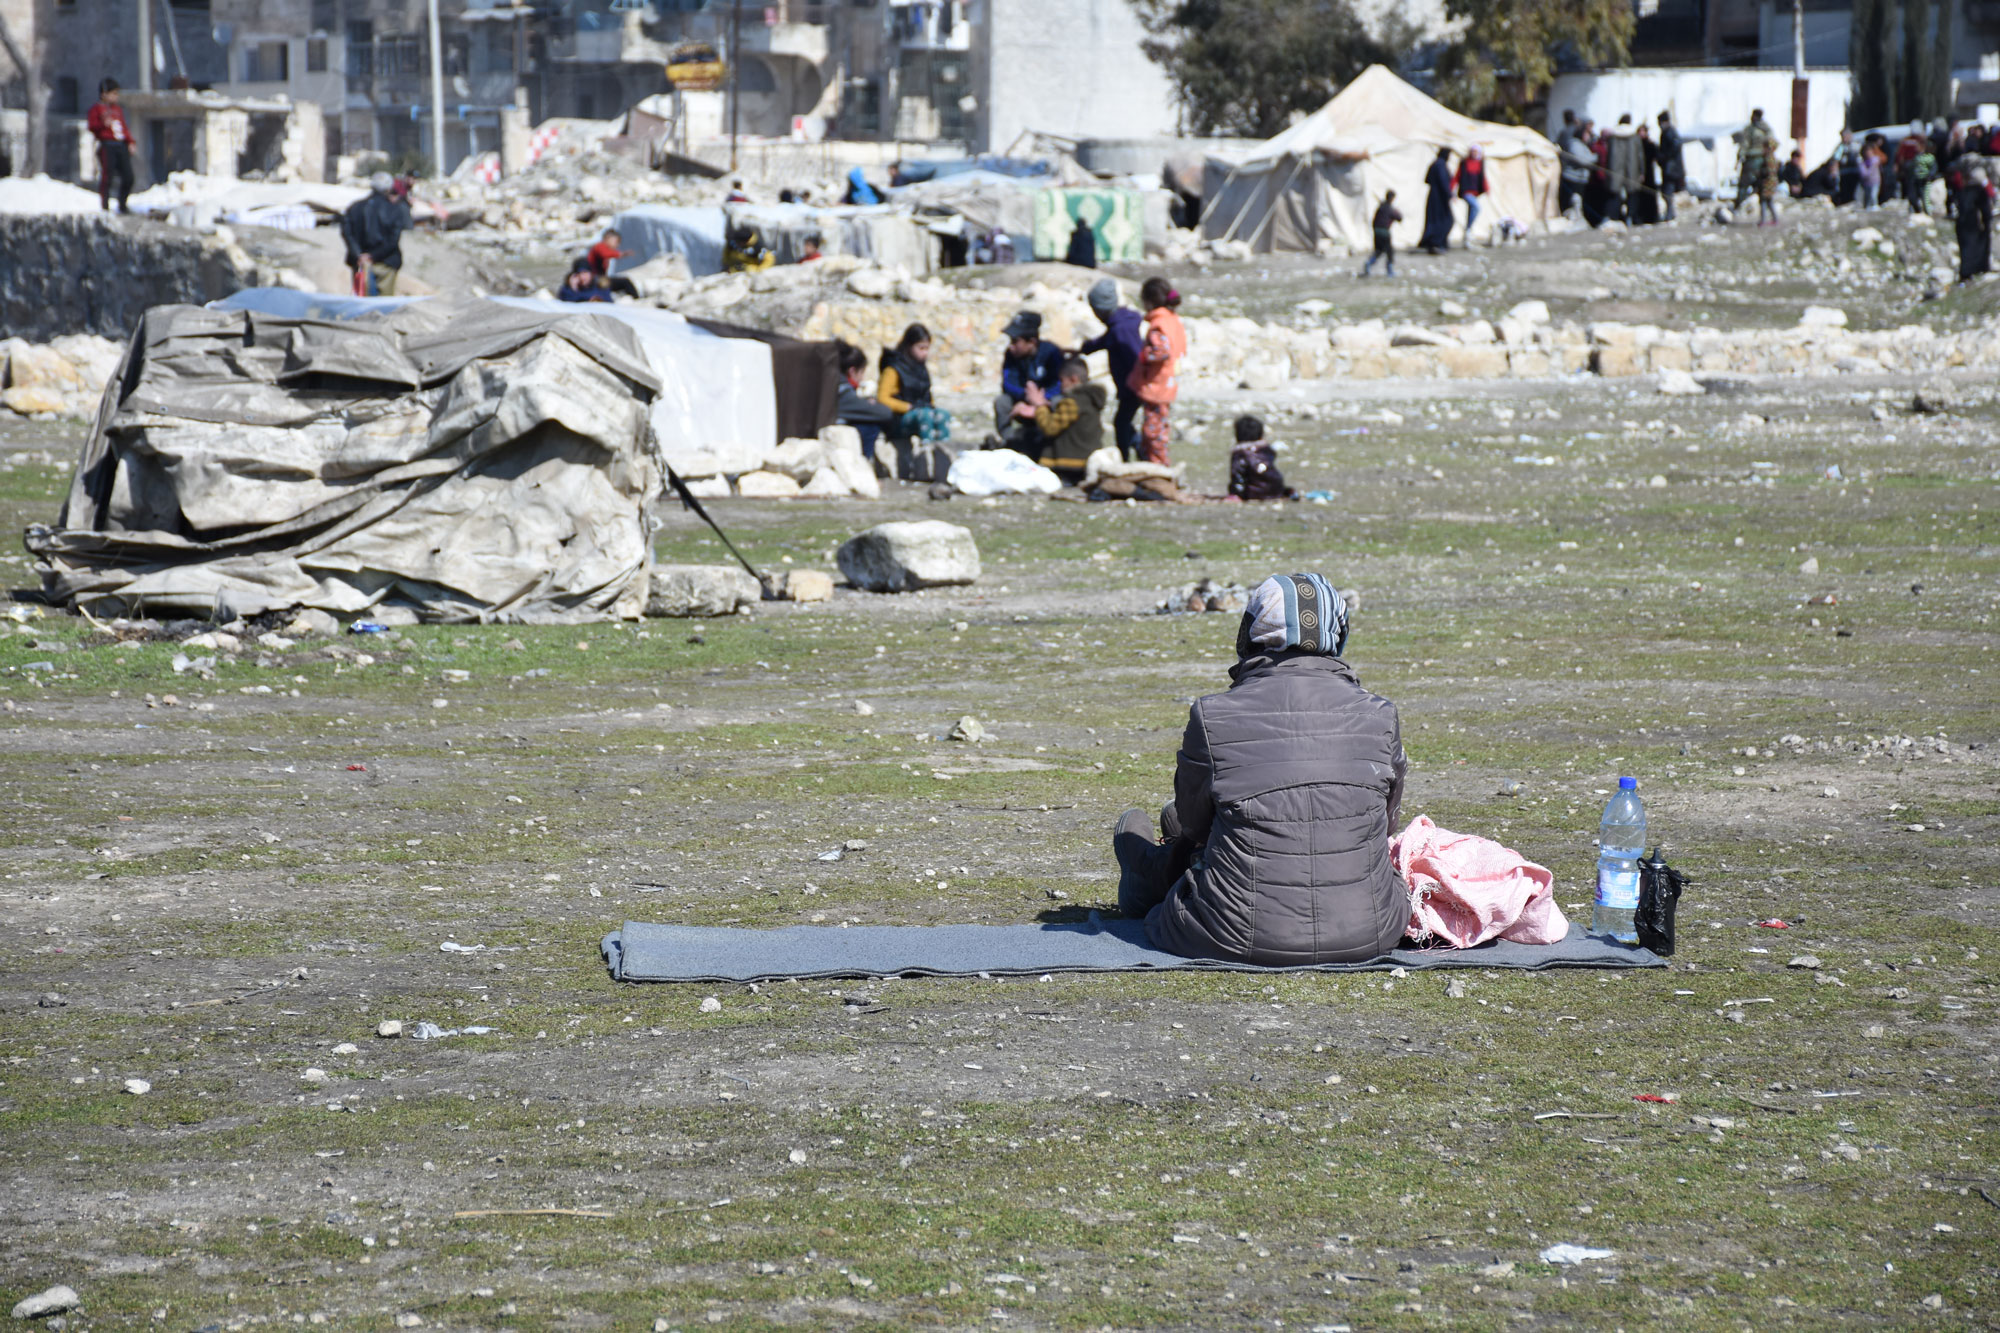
column 1943, row 168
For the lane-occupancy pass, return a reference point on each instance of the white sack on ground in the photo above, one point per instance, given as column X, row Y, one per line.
column 1001, row 472
column 461, row 458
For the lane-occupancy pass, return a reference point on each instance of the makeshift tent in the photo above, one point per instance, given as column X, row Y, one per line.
column 805, row 377
column 717, row 396
column 891, row 237
column 1322, row 178
column 1116, row 217
column 460, row 459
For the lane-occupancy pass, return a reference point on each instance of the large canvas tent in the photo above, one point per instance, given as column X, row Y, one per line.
column 1322, row 178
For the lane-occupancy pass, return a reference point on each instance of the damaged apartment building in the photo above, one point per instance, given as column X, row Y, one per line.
column 289, row 87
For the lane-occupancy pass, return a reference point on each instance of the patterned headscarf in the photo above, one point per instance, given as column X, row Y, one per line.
column 1293, row 611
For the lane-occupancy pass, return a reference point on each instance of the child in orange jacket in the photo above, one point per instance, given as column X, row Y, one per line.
column 1155, row 379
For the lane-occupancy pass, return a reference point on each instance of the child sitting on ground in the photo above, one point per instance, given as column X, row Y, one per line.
column 1253, row 465
column 1072, row 426
column 868, row 416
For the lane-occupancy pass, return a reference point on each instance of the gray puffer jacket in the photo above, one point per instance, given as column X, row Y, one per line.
column 1288, row 788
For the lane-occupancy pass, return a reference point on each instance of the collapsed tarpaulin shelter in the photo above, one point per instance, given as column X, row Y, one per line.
column 461, row 458
column 1322, row 178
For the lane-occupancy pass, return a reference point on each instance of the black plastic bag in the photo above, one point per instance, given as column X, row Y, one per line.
column 1660, row 888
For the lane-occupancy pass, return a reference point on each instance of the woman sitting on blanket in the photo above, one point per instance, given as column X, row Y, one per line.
column 1275, row 850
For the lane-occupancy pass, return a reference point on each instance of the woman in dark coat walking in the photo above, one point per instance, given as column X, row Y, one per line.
column 1437, row 207
column 1974, row 210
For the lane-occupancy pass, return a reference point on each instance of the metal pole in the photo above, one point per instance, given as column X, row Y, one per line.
column 437, row 94
column 735, row 75
column 145, row 46
column 1799, row 39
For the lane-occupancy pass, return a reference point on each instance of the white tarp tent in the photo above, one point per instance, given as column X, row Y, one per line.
column 1322, row 178
column 716, row 398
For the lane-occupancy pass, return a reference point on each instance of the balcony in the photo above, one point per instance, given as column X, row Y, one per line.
column 929, row 25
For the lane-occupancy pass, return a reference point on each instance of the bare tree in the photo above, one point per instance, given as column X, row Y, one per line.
column 38, row 99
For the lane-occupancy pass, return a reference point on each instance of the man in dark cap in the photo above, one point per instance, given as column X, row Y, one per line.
column 1030, row 359
column 1276, row 846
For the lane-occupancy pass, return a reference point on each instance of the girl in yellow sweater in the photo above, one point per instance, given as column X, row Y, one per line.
column 904, row 386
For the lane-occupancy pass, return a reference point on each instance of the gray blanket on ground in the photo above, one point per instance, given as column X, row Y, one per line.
column 642, row 952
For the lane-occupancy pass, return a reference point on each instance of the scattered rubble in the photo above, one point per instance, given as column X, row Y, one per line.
column 1207, row 595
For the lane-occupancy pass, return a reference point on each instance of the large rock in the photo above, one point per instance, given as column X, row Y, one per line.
column 825, row 484
column 766, row 486
column 871, row 283
column 29, row 400
column 714, row 460
column 1530, row 312
column 902, row 557
column 30, row 367
column 53, row 1301
column 798, row 459
column 701, row 590
column 841, row 447
column 808, row 585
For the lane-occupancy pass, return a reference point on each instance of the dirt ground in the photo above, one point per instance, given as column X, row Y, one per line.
column 1773, row 605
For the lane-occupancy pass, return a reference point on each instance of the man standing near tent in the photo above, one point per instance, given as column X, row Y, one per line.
column 1673, row 163
column 1437, row 207
column 1573, row 143
column 1472, row 188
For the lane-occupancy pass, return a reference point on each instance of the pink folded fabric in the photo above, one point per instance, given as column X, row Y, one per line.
column 1466, row 890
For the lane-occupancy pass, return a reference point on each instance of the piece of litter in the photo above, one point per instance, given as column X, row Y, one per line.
column 138, row 1087
column 426, row 1030
column 833, row 855
column 1574, row 1254
column 1186, row 1240
column 452, row 946
column 1773, row 924
column 1669, row 1099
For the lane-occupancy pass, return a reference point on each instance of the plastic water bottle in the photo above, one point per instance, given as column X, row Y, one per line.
column 1621, row 841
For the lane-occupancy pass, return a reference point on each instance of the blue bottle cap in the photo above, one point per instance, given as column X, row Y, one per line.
column 1628, row 784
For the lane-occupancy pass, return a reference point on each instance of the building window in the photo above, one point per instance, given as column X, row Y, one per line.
column 66, row 102
column 267, row 62
column 315, row 55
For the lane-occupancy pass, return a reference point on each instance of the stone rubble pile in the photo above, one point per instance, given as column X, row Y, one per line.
column 63, row 378
column 830, row 466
